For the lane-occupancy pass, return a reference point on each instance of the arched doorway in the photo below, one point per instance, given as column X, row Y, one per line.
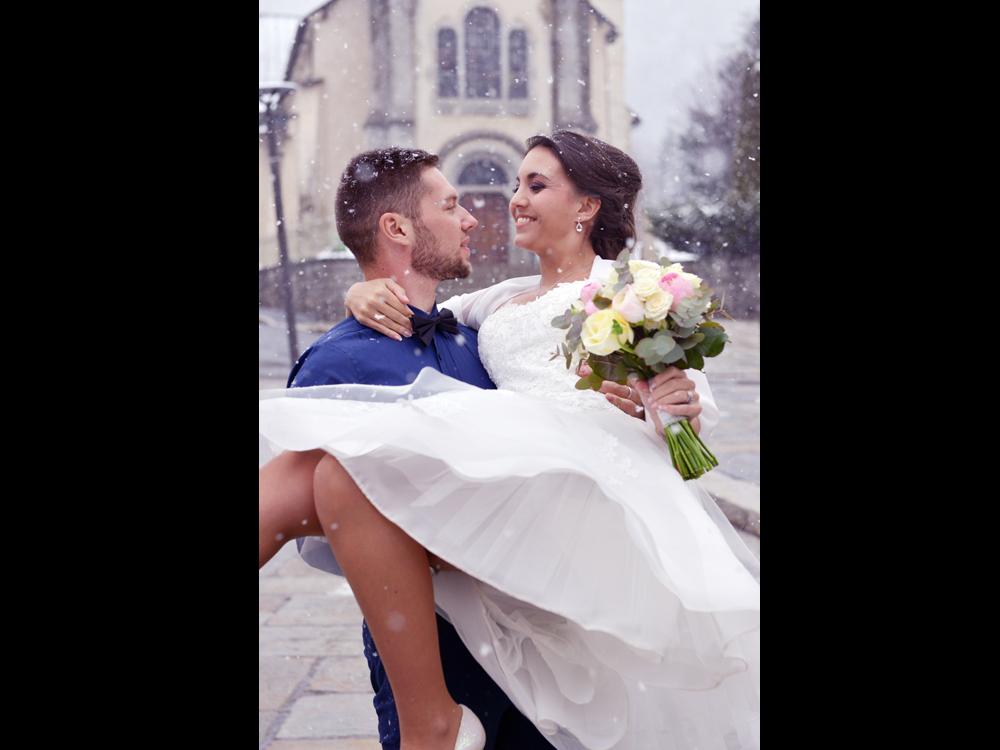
column 482, row 187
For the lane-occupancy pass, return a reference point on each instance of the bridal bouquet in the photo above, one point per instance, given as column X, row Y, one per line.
column 648, row 317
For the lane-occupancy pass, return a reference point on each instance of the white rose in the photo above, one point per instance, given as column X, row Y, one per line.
column 638, row 267
column 658, row 306
column 649, row 273
column 646, row 288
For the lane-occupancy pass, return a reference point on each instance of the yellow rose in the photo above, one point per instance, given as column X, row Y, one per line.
column 599, row 335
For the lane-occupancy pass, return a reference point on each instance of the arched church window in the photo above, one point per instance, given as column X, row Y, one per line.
column 447, row 63
column 483, row 172
column 483, row 186
column 482, row 54
column 518, row 65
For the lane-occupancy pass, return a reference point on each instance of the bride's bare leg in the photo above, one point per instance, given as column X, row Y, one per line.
column 286, row 509
column 390, row 575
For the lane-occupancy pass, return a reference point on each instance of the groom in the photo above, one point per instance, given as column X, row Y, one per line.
column 402, row 220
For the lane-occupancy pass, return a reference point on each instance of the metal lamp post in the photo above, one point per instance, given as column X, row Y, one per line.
column 271, row 98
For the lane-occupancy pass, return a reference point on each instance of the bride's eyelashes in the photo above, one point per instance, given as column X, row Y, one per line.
column 536, row 188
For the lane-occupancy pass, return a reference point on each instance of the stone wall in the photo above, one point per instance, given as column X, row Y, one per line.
column 319, row 287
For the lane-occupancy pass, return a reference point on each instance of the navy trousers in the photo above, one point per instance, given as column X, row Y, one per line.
column 468, row 683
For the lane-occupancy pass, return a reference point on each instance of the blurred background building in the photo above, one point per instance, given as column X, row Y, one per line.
column 469, row 82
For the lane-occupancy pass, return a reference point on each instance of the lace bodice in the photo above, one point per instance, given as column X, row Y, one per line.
column 517, row 342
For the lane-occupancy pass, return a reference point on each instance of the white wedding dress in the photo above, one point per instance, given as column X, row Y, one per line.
column 612, row 601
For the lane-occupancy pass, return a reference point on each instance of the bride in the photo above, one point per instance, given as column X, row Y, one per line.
column 612, row 601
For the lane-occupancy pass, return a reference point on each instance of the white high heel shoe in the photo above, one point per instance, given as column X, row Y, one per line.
column 471, row 735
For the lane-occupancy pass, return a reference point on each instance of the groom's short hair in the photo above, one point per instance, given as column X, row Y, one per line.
column 388, row 180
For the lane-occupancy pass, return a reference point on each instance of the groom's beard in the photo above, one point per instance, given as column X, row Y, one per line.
column 429, row 260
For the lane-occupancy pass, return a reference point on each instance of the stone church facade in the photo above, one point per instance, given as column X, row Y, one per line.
column 469, row 81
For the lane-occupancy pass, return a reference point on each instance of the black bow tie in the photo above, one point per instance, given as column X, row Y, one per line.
column 425, row 328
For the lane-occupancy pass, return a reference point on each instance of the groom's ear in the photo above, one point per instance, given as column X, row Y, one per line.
column 396, row 228
column 589, row 207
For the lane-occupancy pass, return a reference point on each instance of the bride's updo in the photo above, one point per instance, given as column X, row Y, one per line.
column 604, row 172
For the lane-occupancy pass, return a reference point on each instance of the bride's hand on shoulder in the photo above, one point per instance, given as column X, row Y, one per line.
column 382, row 306
column 673, row 392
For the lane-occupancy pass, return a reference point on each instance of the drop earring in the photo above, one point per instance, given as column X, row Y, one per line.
column 579, row 225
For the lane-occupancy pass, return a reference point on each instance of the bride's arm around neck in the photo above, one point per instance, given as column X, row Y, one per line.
column 474, row 308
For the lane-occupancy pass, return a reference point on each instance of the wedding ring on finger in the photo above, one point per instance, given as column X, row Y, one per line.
column 690, row 397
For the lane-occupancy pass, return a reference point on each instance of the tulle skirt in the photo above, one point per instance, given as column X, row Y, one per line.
column 612, row 601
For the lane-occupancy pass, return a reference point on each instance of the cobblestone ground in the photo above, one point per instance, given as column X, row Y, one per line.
column 313, row 690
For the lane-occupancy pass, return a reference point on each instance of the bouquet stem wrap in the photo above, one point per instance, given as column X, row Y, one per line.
column 690, row 455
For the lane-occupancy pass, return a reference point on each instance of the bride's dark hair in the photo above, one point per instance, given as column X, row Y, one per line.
column 601, row 171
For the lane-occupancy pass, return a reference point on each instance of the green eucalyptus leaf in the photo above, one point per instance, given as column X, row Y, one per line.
column 568, row 353
column 714, row 343
column 664, row 345
column 692, row 341
column 646, row 348
column 604, row 368
column 675, row 356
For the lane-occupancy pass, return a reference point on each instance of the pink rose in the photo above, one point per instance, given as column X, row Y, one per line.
column 590, row 291
column 678, row 286
column 629, row 306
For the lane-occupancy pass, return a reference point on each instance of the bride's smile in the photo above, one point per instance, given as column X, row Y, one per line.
column 546, row 206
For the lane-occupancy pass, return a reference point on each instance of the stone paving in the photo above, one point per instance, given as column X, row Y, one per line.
column 313, row 688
